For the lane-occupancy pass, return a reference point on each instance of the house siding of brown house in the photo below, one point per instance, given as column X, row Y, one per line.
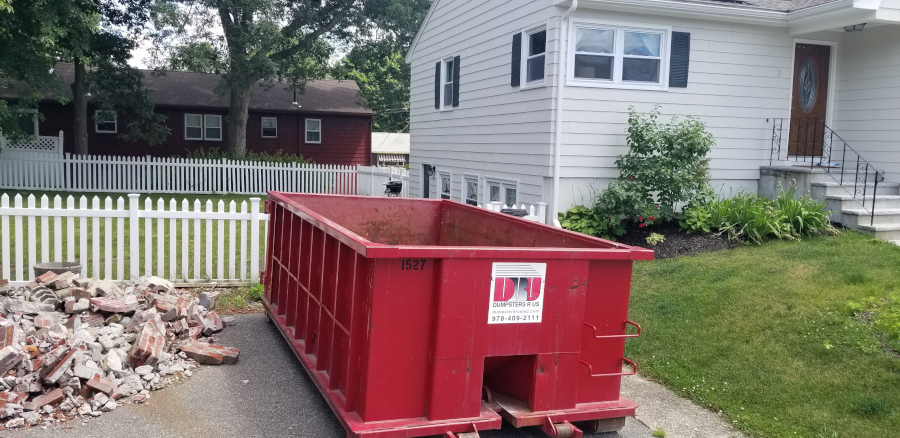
column 346, row 127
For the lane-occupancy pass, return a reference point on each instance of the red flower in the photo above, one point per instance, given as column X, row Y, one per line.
column 640, row 218
column 652, row 217
column 641, row 225
column 657, row 207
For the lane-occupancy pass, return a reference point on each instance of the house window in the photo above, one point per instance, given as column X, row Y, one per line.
column 269, row 127
column 447, row 88
column 445, row 186
column 535, row 55
column 105, row 122
column 193, row 127
column 471, row 190
column 212, row 125
column 503, row 192
column 313, row 130
column 28, row 122
column 203, row 127
column 618, row 57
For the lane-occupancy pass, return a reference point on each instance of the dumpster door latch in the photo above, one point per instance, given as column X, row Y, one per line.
column 560, row 430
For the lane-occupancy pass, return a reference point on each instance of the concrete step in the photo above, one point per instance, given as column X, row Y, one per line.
column 883, row 232
column 803, row 173
column 848, row 202
column 855, row 217
column 822, row 189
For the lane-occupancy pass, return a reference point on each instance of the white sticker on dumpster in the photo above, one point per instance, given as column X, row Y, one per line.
column 517, row 293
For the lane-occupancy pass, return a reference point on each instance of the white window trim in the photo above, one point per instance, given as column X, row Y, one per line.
column 440, row 181
column 115, row 122
column 262, row 129
column 202, row 131
column 221, row 130
column 306, row 131
column 523, row 68
column 620, row 29
column 464, row 188
column 444, row 62
column 504, row 184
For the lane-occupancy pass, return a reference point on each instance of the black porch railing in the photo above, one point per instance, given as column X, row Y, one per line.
column 810, row 140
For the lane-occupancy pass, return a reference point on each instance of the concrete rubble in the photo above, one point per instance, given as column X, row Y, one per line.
column 72, row 347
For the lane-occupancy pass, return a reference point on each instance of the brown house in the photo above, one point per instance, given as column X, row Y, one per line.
column 327, row 124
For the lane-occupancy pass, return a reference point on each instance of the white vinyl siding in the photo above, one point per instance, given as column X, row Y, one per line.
column 740, row 78
column 867, row 102
column 499, row 130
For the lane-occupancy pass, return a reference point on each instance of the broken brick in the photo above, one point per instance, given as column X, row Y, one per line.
column 209, row 354
column 51, row 398
column 9, row 358
column 102, row 384
column 56, row 372
column 47, row 277
column 113, row 305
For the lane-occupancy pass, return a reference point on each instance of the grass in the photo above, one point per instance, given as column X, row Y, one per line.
column 239, row 299
column 165, row 271
column 765, row 335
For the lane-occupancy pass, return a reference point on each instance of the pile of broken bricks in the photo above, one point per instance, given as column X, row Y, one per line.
column 74, row 347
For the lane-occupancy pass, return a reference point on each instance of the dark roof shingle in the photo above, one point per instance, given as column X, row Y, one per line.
column 188, row 89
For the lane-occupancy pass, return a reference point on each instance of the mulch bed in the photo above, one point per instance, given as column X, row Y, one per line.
column 677, row 243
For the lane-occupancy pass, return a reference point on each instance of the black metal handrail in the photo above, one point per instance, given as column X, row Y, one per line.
column 815, row 141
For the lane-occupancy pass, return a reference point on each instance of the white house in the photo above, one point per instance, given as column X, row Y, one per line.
column 526, row 101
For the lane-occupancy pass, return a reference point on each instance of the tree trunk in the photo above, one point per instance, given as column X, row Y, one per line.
column 79, row 101
column 237, row 120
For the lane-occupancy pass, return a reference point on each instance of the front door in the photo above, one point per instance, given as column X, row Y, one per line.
column 809, row 102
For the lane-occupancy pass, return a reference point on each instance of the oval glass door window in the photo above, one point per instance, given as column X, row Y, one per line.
column 809, row 84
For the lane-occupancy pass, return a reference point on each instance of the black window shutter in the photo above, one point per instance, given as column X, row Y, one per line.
column 456, row 81
column 437, row 85
column 681, row 55
column 515, row 75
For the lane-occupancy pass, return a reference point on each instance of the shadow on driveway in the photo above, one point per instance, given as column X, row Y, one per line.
column 279, row 399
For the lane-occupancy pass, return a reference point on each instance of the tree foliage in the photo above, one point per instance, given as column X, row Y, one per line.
column 97, row 36
column 377, row 60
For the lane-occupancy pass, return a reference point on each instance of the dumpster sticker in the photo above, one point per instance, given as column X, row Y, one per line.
column 517, row 293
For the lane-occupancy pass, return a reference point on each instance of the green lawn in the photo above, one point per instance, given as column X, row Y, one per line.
column 166, row 271
column 764, row 335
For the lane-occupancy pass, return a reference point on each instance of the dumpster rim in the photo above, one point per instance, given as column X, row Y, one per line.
column 369, row 249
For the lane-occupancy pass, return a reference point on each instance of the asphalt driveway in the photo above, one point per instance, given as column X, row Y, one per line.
column 268, row 394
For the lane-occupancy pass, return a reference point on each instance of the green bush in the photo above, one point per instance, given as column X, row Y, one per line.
column 666, row 166
column 279, row 156
column 751, row 218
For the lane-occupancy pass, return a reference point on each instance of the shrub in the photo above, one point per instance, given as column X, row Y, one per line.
column 655, row 239
column 752, row 218
column 666, row 166
column 279, row 156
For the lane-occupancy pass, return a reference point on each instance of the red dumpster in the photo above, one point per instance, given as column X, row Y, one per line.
column 430, row 317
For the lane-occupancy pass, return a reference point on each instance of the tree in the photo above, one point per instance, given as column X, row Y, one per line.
column 263, row 41
column 377, row 62
column 196, row 56
column 383, row 77
column 93, row 34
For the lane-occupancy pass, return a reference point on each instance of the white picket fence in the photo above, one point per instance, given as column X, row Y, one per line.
column 187, row 244
column 92, row 173
column 370, row 180
column 536, row 212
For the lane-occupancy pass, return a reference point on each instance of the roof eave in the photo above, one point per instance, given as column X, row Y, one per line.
column 733, row 14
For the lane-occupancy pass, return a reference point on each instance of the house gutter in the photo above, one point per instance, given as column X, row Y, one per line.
column 560, row 87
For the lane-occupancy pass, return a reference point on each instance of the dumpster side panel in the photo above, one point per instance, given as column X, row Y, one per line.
column 609, row 287
column 400, row 337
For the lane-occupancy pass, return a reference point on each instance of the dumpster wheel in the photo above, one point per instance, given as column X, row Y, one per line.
column 468, row 435
column 565, row 430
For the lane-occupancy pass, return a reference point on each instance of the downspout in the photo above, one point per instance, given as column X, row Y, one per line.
column 560, row 86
